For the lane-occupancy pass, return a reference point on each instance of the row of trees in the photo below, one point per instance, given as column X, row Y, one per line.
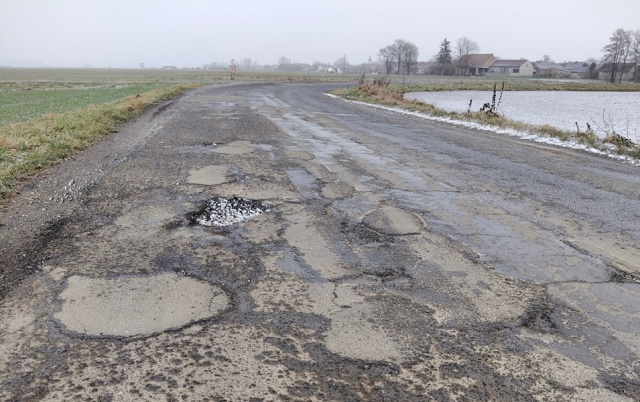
column 400, row 57
column 623, row 50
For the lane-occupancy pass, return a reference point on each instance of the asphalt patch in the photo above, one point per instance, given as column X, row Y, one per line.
column 133, row 306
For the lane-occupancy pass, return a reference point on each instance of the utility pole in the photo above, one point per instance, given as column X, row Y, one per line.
column 344, row 64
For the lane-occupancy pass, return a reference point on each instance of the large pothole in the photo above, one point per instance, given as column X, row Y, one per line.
column 393, row 221
column 135, row 306
column 222, row 212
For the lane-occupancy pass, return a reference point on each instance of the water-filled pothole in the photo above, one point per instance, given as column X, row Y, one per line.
column 227, row 211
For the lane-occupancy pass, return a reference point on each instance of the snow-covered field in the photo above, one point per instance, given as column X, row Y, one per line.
column 557, row 108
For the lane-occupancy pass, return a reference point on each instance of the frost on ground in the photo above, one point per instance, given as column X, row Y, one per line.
column 225, row 212
column 507, row 131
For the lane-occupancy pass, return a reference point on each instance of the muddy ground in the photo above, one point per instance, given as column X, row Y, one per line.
column 375, row 257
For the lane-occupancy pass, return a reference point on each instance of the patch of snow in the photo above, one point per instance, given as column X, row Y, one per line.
column 225, row 212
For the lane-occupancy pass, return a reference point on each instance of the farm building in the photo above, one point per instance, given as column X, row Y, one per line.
column 548, row 69
column 513, row 68
column 576, row 70
column 476, row 64
column 628, row 72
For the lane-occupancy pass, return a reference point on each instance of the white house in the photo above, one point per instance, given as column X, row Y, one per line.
column 331, row 69
column 512, row 68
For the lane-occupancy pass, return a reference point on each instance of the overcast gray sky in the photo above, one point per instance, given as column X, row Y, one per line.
column 123, row 33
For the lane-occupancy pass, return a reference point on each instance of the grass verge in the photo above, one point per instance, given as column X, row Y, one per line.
column 27, row 147
column 381, row 93
column 27, row 101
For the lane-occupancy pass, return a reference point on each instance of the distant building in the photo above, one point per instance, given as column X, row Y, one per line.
column 548, row 69
column 330, row 69
column 512, row 68
column 575, row 64
column 576, row 70
column 628, row 72
column 476, row 64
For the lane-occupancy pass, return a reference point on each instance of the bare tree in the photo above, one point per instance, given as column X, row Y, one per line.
column 399, row 45
column 617, row 52
column 387, row 55
column 627, row 39
column 410, row 57
column 635, row 54
column 402, row 56
column 284, row 63
column 342, row 62
column 464, row 48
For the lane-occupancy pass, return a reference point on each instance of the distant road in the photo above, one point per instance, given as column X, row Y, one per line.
column 394, row 259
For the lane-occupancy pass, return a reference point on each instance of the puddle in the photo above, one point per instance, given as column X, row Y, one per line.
column 222, row 212
column 134, row 306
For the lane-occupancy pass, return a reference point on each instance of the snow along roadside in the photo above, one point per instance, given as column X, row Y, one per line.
column 499, row 130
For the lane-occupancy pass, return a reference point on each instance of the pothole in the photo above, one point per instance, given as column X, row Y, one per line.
column 538, row 318
column 220, row 212
column 137, row 306
column 386, row 273
column 624, row 277
column 393, row 221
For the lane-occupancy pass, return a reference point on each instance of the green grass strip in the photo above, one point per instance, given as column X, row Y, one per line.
column 28, row 147
column 28, row 103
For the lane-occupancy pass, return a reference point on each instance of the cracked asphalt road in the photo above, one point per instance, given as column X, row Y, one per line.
column 400, row 259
